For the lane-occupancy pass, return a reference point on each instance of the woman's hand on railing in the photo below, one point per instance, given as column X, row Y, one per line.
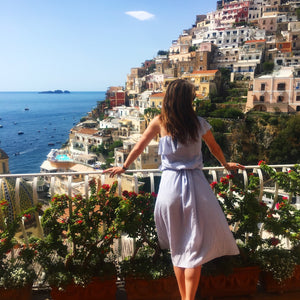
column 114, row 171
column 230, row 166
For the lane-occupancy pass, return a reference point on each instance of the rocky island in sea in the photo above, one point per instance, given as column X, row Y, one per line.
column 55, row 92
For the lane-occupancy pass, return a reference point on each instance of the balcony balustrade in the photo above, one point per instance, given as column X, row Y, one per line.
column 72, row 183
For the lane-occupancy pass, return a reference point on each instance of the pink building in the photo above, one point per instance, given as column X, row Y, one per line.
column 277, row 92
column 236, row 11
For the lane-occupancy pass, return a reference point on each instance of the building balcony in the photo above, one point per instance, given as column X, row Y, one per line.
column 74, row 183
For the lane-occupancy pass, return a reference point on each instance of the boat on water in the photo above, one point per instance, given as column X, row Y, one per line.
column 26, row 108
column 1, row 126
column 51, row 144
column 20, row 132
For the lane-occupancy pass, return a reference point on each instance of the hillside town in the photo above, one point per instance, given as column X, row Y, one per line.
column 256, row 43
column 79, row 231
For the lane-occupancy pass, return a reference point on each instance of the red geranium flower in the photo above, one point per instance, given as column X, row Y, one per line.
column 125, row 194
column 274, row 241
column 279, row 205
column 213, row 184
column 105, row 187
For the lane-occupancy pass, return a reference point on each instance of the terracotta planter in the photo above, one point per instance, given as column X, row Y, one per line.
column 98, row 289
column 147, row 289
column 291, row 284
column 243, row 281
column 24, row 293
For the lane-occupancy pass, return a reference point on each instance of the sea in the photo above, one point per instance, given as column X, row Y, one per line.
column 30, row 121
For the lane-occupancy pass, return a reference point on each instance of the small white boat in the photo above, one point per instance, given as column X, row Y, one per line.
column 1, row 126
column 20, row 132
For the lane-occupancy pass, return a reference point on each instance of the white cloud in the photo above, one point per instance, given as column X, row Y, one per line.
column 140, row 15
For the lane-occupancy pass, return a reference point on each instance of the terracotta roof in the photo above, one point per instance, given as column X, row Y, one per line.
column 157, row 95
column 255, row 41
column 205, row 72
column 88, row 131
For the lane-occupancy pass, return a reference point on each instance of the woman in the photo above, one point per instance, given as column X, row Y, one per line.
column 188, row 217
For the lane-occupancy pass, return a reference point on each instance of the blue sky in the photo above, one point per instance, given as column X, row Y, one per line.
column 86, row 45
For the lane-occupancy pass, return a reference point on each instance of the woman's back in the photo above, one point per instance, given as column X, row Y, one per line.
column 175, row 155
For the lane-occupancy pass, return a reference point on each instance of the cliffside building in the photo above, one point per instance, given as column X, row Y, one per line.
column 206, row 82
column 116, row 96
column 278, row 92
column 4, row 166
column 149, row 159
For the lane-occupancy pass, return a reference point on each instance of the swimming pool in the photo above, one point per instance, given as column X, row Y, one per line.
column 63, row 157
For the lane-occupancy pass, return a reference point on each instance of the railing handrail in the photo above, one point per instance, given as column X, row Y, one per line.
column 128, row 171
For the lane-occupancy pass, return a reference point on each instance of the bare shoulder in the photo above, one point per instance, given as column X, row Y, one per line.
column 153, row 127
column 156, row 119
column 155, row 122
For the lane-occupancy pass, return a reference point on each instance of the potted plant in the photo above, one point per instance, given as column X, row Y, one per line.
column 149, row 277
column 281, row 261
column 279, row 267
column 77, row 249
column 239, row 274
column 148, row 272
column 16, row 267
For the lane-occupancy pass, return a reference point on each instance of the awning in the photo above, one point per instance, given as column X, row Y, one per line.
column 46, row 165
column 81, row 168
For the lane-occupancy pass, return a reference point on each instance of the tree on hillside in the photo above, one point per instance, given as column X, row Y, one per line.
column 151, row 112
column 268, row 67
column 285, row 148
column 225, row 81
column 162, row 52
column 298, row 14
column 204, row 108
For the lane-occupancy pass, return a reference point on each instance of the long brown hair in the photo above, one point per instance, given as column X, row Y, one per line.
column 177, row 114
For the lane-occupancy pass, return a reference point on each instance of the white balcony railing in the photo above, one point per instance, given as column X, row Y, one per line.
column 69, row 183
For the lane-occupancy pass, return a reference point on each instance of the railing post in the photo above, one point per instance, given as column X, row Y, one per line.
column 18, row 209
column 214, row 175
column 136, row 183
column 152, row 186
column 35, row 202
column 284, row 169
column 52, row 183
column 1, row 215
column 119, row 185
column 70, row 185
column 86, row 186
column 245, row 177
column 261, row 183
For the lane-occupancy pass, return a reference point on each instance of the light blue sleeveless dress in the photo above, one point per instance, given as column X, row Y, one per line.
column 188, row 217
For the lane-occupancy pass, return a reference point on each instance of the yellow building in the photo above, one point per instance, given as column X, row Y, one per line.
column 155, row 100
column 206, row 82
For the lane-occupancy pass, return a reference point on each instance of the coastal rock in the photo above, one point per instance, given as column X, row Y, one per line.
column 55, row 92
